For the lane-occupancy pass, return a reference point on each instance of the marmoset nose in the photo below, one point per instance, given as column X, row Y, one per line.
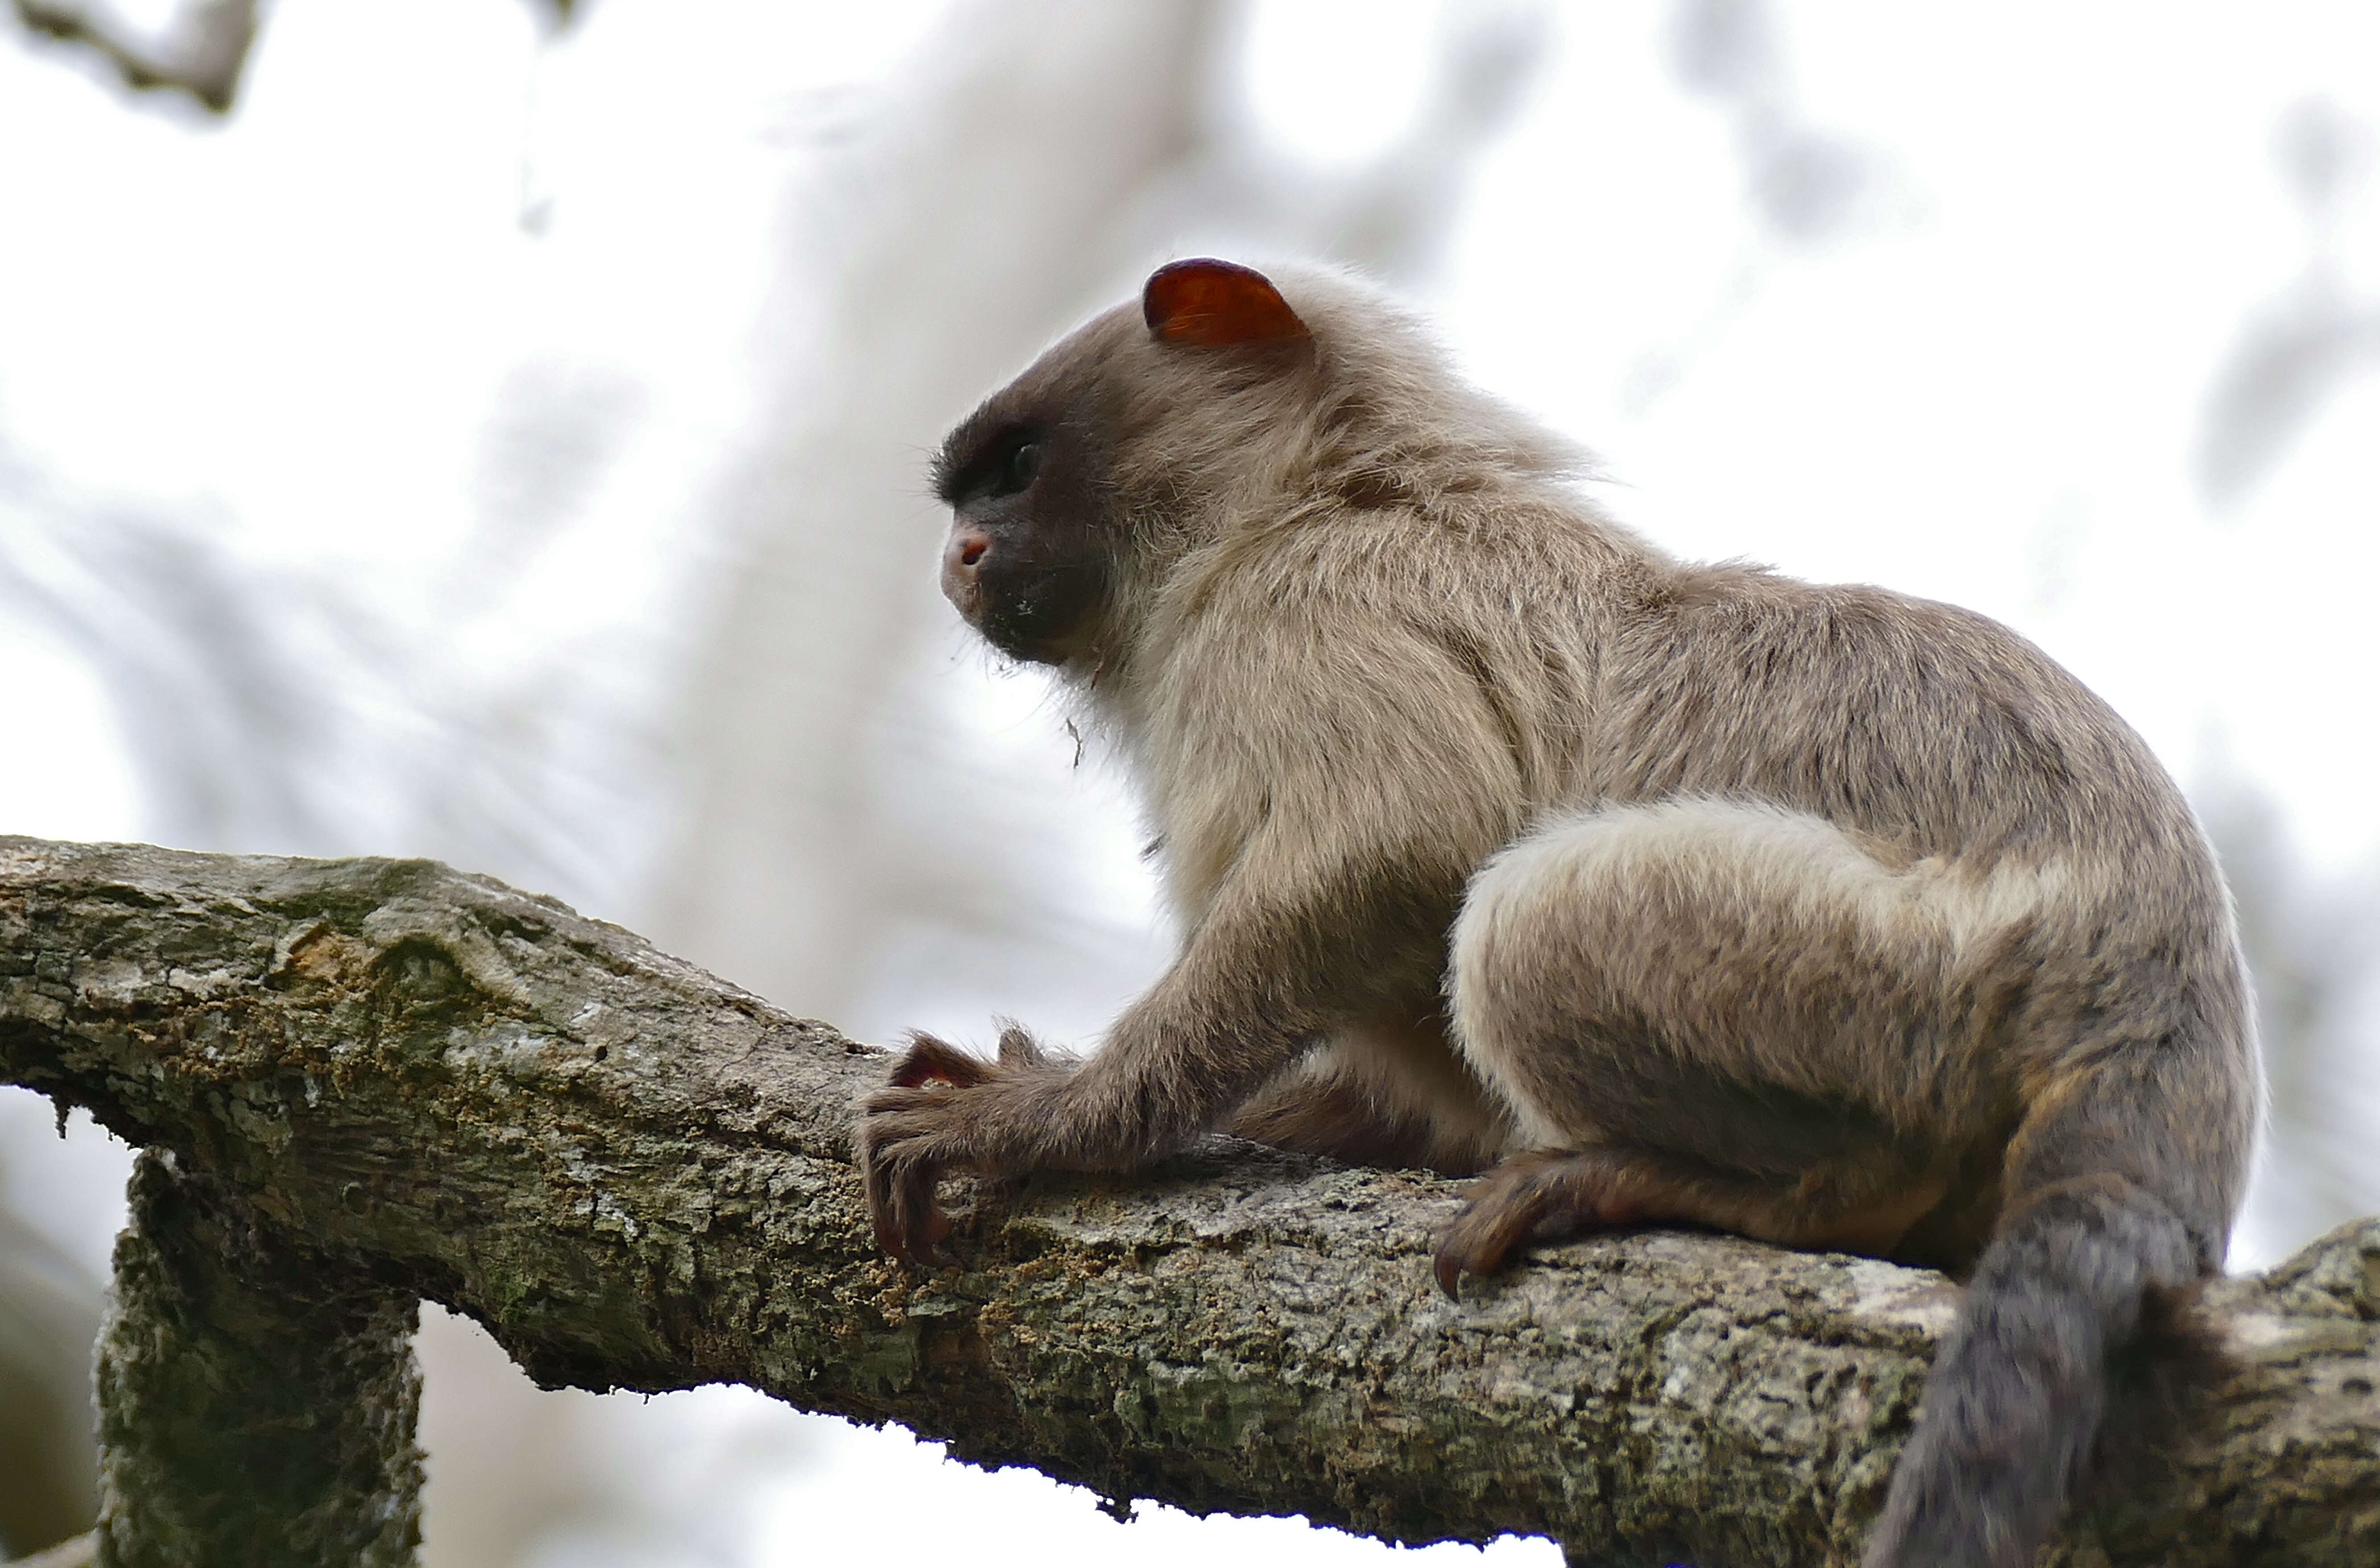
column 962, row 560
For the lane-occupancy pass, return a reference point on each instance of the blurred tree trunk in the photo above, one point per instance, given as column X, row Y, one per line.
column 1054, row 152
column 986, row 221
column 49, row 1316
column 365, row 1082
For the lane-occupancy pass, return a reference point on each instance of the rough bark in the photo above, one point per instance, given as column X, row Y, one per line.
column 255, row 1406
column 400, row 1081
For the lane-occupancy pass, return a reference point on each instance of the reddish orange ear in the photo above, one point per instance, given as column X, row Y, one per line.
column 1207, row 303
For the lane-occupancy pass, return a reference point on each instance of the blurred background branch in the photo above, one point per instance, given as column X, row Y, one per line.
column 2300, row 347
column 197, row 47
column 200, row 49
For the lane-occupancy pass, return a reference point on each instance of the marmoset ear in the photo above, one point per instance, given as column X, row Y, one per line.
column 1207, row 304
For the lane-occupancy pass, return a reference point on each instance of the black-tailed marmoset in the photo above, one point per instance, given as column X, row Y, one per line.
column 1658, row 892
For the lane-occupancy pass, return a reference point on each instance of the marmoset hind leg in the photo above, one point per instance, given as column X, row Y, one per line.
column 1734, row 1016
column 1387, row 1090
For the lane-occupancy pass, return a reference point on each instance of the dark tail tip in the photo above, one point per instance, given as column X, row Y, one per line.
column 2014, row 1406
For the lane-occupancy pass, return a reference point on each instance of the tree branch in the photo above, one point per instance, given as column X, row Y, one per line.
column 401, row 1081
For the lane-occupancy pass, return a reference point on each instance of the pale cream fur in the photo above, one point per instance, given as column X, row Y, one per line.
column 1930, row 920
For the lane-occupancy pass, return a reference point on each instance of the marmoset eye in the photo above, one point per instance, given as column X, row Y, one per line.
column 1017, row 469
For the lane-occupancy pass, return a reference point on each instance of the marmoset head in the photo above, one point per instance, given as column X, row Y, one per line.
column 1220, row 398
column 1063, row 481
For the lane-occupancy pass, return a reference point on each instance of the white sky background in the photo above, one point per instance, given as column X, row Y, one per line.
column 1986, row 388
